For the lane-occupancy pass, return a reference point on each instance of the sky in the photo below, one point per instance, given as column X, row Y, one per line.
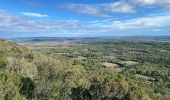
column 84, row 18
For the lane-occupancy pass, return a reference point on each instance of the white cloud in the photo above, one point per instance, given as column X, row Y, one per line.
column 32, row 14
column 119, row 7
column 15, row 24
column 123, row 7
column 144, row 2
column 162, row 3
column 101, row 10
column 144, row 23
column 86, row 9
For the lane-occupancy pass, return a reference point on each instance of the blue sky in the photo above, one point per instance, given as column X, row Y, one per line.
column 76, row 18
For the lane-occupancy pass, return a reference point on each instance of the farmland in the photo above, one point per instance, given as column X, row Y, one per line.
column 79, row 69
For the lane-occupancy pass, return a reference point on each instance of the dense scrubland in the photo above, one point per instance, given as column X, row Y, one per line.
column 98, row 70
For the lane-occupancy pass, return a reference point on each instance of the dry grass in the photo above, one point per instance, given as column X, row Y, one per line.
column 137, row 52
column 110, row 65
column 129, row 62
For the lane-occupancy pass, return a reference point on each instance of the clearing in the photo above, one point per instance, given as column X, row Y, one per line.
column 110, row 65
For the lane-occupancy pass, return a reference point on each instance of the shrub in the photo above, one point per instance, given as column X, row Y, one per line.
column 27, row 87
column 3, row 61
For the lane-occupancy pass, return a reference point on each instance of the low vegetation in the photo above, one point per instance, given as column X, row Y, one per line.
column 77, row 72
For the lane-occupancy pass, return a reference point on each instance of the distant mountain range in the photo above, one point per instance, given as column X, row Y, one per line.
column 126, row 38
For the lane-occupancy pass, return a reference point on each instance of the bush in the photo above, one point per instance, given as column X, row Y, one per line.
column 80, row 93
column 27, row 87
column 3, row 61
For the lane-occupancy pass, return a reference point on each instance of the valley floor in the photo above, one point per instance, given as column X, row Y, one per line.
column 85, row 70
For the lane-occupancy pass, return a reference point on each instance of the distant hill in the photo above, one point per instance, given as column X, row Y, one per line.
column 125, row 38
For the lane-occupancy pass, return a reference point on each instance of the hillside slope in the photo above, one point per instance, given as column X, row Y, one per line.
column 27, row 74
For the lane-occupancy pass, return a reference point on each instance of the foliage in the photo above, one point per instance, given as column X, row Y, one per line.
column 76, row 73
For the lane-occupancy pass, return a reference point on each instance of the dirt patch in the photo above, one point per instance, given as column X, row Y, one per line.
column 137, row 52
column 163, row 50
column 129, row 62
column 110, row 65
column 81, row 58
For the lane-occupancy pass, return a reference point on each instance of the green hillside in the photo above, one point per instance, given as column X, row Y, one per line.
column 28, row 74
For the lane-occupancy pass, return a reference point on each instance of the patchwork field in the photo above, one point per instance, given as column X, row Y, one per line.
column 134, row 69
